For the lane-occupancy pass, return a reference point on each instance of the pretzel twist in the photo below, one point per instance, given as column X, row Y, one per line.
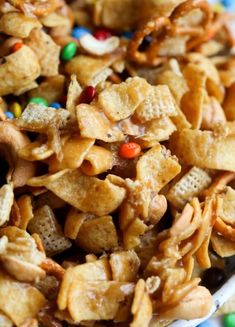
column 163, row 28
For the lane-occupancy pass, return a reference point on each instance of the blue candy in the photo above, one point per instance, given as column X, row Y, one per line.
column 206, row 324
column 227, row 3
column 9, row 115
column 55, row 105
column 128, row 34
column 80, row 31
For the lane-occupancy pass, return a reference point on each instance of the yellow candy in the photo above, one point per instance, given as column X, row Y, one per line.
column 218, row 8
column 16, row 109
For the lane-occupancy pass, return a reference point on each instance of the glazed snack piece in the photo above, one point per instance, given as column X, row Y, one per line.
column 117, row 180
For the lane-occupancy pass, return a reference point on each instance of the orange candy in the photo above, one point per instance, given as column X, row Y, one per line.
column 129, row 150
column 16, row 46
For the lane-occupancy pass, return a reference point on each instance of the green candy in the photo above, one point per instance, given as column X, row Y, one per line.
column 68, row 51
column 229, row 320
column 39, row 100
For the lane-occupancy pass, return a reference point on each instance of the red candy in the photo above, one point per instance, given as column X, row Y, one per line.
column 88, row 94
column 102, row 34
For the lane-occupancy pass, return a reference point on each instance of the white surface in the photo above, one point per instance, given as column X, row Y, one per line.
column 219, row 298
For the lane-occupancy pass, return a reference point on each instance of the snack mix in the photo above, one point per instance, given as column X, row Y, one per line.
column 117, row 150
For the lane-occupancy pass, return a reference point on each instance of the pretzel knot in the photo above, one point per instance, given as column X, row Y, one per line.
column 162, row 28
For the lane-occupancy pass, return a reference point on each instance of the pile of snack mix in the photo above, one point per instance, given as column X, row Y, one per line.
column 117, row 156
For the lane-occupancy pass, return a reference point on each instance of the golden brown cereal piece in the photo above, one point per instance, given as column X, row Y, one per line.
column 35, row 151
column 26, row 210
column 12, row 140
column 212, row 114
column 158, row 103
column 38, row 118
column 229, row 102
column 204, row 149
column 21, row 257
column 31, row 300
column 98, row 270
column 55, row 19
column 175, row 82
column 196, row 304
column 97, row 161
column 131, row 235
column 157, row 167
column 41, row 181
column 38, row 242
column 136, row 204
column 15, row 216
column 74, row 92
column 226, row 213
column 222, row 246
column 78, row 189
column 94, row 124
column 155, row 131
column 50, row 89
column 21, row 270
column 205, row 64
column 22, row 68
column 97, row 235
column 17, row 24
column 73, row 223
column 74, row 150
column 190, row 185
column 52, row 268
column 124, row 266
column 192, row 101
column 121, row 100
column 89, row 71
column 45, row 225
column 46, row 50
column 118, row 15
column 97, row 300
column 6, row 202
column 141, row 306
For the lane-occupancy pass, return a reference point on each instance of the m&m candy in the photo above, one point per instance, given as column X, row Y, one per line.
column 16, row 109
column 69, row 51
column 102, row 34
column 39, row 100
column 9, row 114
column 55, row 105
column 79, row 31
column 229, row 320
